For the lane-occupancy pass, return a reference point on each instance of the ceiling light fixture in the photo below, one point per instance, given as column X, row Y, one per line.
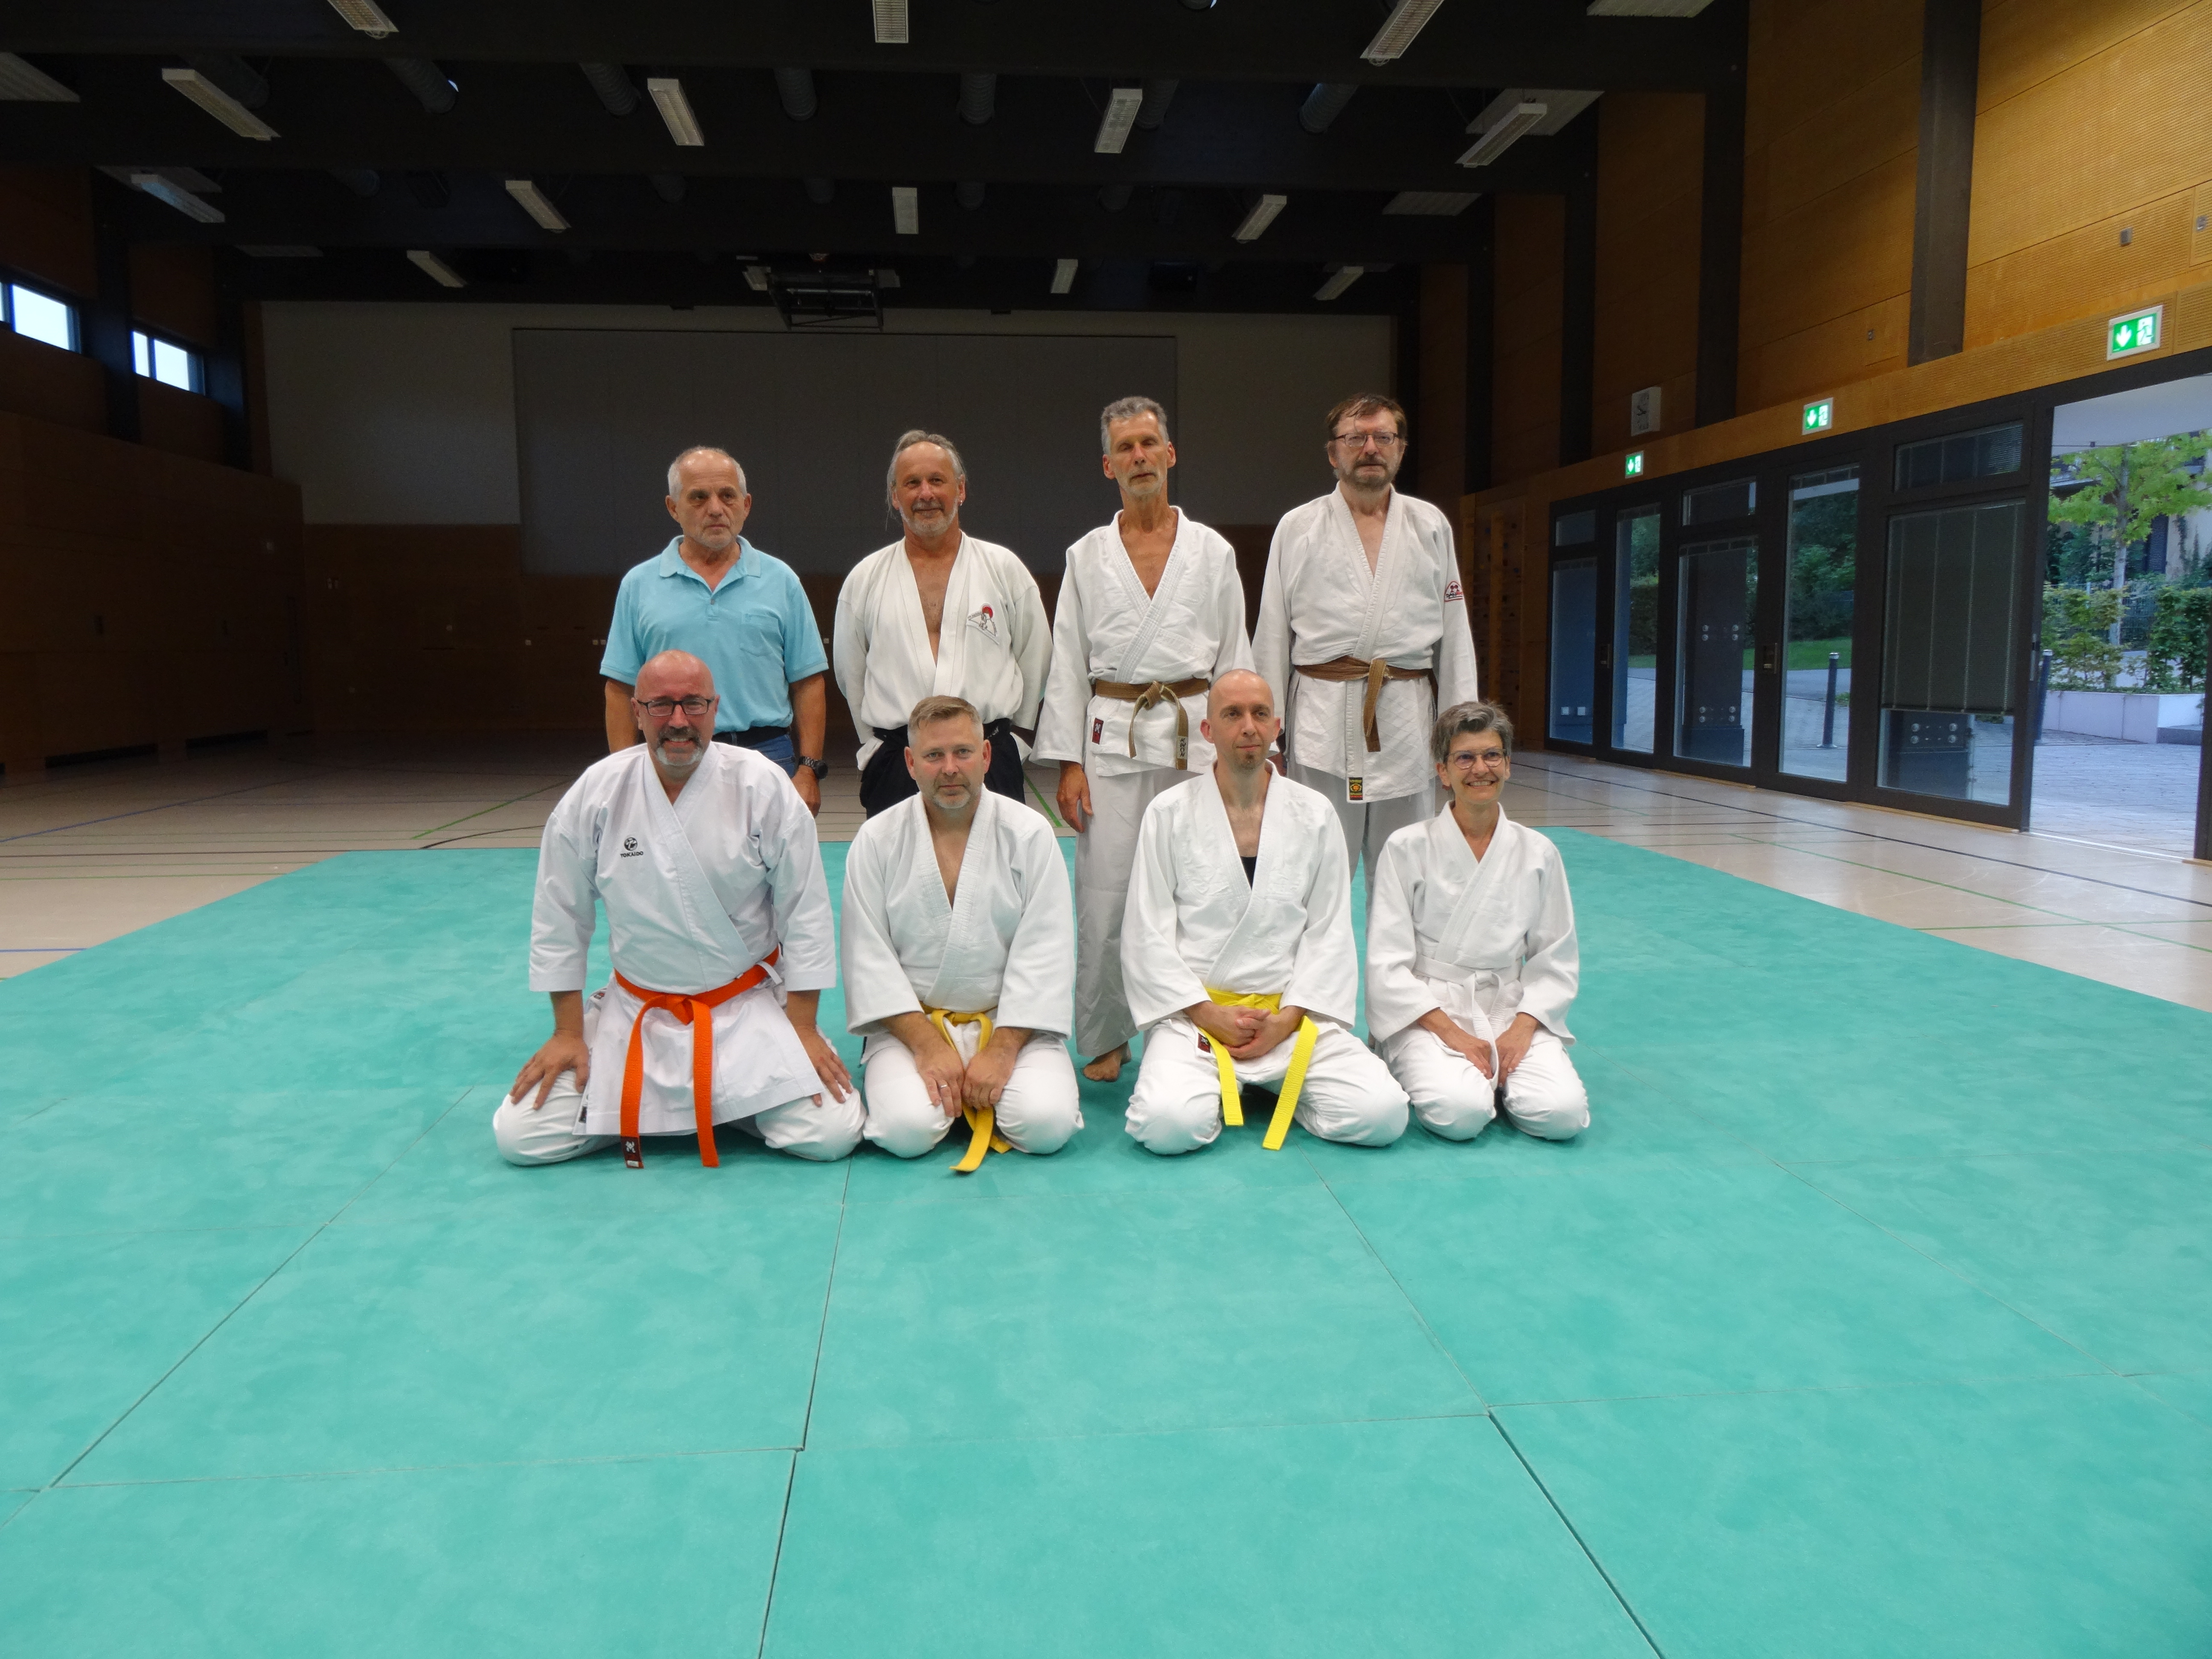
column 1063, row 276
column 1121, row 107
column 218, row 103
column 533, row 202
column 1342, row 278
column 675, row 109
column 175, row 196
column 1501, row 137
column 757, row 278
column 1560, row 107
column 1432, row 203
column 906, row 209
column 434, row 268
column 23, row 83
column 890, row 22
column 366, row 15
column 1261, row 216
column 1647, row 7
column 1407, row 20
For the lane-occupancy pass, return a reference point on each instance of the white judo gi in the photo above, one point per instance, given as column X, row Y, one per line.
column 1106, row 627
column 1483, row 941
column 1319, row 602
column 1002, row 947
column 991, row 648
column 697, row 891
column 1195, row 926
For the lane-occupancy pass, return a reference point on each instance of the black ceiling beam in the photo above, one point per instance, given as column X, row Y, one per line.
column 1543, row 43
column 526, row 119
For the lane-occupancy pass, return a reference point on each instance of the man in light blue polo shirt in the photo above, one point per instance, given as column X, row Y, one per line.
column 740, row 611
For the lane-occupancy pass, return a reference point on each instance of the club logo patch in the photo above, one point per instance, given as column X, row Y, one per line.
column 631, row 848
column 1353, row 789
column 1098, row 730
column 1452, row 590
column 988, row 620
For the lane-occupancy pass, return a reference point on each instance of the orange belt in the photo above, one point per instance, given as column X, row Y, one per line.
column 1343, row 669
column 697, row 1009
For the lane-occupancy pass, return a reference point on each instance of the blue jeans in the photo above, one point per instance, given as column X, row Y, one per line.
column 779, row 749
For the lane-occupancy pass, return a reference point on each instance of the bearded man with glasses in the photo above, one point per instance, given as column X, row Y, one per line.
column 717, row 920
column 1363, row 632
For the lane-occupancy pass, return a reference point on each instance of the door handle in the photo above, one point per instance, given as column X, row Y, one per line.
column 1770, row 657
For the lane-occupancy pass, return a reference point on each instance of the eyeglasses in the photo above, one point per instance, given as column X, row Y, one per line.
column 1467, row 760
column 1385, row 441
column 661, row 708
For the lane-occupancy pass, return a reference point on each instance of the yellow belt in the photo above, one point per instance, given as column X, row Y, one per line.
column 986, row 1139
column 1287, row 1101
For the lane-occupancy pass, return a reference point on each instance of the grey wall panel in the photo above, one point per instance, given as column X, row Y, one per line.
column 599, row 412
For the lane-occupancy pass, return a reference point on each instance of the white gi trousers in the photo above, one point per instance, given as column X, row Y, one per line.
column 1348, row 1094
column 1105, row 853
column 1367, row 824
column 1544, row 1096
column 1038, row 1111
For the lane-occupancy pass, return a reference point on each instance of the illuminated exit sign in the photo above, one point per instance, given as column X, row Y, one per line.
column 1819, row 416
column 1633, row 466
column 2139, row 331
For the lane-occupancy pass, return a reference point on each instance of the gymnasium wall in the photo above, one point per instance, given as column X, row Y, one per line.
column 1531, row 271
column 1650, row 148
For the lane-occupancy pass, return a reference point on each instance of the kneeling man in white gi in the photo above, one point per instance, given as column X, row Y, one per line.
column 1471, row 954
column 960, row 956
column 718, row 920
column 1236, row 951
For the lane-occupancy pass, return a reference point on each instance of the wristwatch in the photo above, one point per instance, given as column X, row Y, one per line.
column 819, row 768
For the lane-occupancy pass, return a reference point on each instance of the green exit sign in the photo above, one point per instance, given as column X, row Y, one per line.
column 2139, row 331
column 1633, row 466
column 1820, row 417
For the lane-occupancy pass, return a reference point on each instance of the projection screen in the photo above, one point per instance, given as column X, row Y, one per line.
column 599, row 413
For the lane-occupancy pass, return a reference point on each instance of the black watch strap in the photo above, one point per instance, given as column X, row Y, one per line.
column 819, row 768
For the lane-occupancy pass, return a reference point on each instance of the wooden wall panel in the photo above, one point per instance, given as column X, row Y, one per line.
column 173, row 289
column 182, row 422
column 1649, row 178
column 2091, row 121
column 1438, row 424
column 46, row 226
column 1530, row 276
column 48, row 384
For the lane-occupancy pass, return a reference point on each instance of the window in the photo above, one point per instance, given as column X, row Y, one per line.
column 1573, row 529
column 39, row 316
column 1990, row 453
column 1717, row 503
column 165, row 361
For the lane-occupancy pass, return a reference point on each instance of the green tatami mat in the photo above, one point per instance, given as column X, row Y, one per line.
column 1867, row 1318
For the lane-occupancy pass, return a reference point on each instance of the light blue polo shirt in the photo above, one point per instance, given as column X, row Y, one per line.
column 755, row 632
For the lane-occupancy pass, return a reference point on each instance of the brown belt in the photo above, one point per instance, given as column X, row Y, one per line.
column 1148, row 695
column 1352, row 668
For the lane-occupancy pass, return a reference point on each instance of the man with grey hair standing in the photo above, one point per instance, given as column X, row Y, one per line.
column 742, row 612
column 938, row 613
column 1150, row 614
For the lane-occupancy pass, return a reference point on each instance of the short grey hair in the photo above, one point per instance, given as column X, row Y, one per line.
column 1463, row 718
column 1127, row 408
column 906, row 441
column 676, row 467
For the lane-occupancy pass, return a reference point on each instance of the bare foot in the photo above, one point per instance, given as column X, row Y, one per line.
column 1108, row 1067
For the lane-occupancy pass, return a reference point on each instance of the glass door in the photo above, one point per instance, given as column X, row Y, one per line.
column 1818, row 613
column 1633, row 652
column 1716, row 605
column 1574, row 649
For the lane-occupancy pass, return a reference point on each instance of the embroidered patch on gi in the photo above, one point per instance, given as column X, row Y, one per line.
column 1098, row 730
column 1203, row 1047
column 987, row 619
column 1452, row 590
column 631, row 848
column 1351, row 788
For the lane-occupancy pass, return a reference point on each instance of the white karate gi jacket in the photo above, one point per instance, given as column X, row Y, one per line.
column 1106, row 627
column 1195, row 924
column 696, row 891
column 1319, row 603
column 1495, row 938
column 1006, row 946
column 992, row 647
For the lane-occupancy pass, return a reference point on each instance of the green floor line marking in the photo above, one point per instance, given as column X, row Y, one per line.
column 1043, row 805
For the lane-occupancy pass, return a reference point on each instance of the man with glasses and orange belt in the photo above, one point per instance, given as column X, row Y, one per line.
column 1363, row 632
column 717, row 920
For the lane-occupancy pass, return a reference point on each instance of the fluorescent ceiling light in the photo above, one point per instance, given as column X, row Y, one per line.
column 161, row 190
column 366, row 15
column 1500, row 138
column 218, row 103
column 1261, row 216
column 434, row 268
column 675, row 111
column 533, row 203
column 906, row 209
column 1432, row 203
column 1647, row 7
column 1063, row 276
column 890, row 22
column 1405, row 20
column 757, row 278
column 27, row 84
column 1342, row 278
column 1121, row 107
column 1562, row 106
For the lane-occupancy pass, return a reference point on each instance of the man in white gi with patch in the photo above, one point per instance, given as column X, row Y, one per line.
column 718, row 920
column 1150, row 613
column 1237, row 950
column 959, row 964
column 938, row 613
column 1471, row 954
column 1363, row 629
